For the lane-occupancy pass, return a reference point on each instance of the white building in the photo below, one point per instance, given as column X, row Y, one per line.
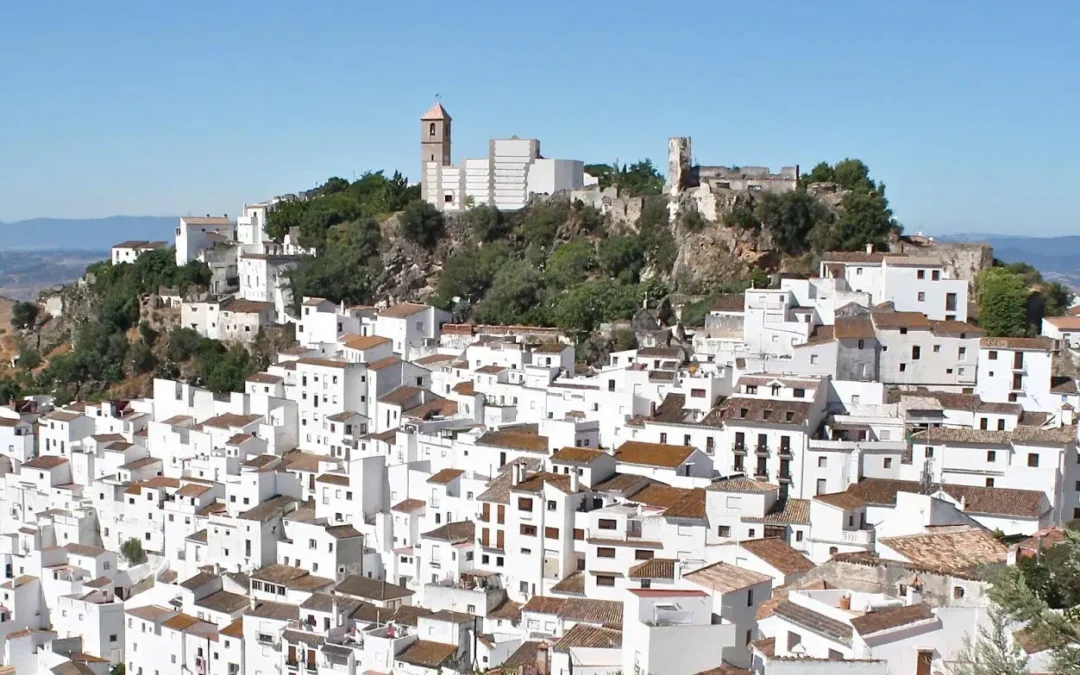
column 195, row 234
column 129, row 251
column 511, row 173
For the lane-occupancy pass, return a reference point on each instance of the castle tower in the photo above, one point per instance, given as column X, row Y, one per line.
column 678, row 165
column 434, row 145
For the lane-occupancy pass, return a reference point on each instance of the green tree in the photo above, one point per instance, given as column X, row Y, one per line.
column 865, row 218
column 514, row 295
column 1022, row 597
column 24, row 314
column 224, row 370
column 118, row 669
column 640, row 179
column 183, row 344
column 469, row 274
column 992, row 651
column 487, row 223
column 622, row 257
column 569, row 264
column 333, row 186
column 541, row 225
column 654, row 232
column 132, row 551
column 422, row 224
column 742, row 216
column 821, row 173
column 10, row 391
column 1056, row 298
column 1002, row 300
column 790, row 218
column 694, row 313
column 29, row 358
column 141, row 358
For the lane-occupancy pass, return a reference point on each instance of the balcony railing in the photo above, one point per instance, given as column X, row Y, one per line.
column 785, row 476
column 761, row 473
column 785, row 453
column 859, row 537
column 738, row 449
column 762, row 451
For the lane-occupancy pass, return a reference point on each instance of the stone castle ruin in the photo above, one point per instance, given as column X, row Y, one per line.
column 683, row 176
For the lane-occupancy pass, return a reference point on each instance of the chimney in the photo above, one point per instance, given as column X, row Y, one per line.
column 869, row 247
column 542, row 659
column 914, row 593
column 574, row 481
column 1068, row 415
column 515, row 475
column 845, row 602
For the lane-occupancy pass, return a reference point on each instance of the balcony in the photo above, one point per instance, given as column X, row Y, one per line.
column 863, row 537
column 761, row 473
column 785, row 453
column 762, row 451
column 785, row 476
column 738, row 449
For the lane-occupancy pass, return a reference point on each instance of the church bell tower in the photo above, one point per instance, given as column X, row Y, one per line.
column 434, row 145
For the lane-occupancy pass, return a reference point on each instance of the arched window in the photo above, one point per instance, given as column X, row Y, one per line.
column 431, row 129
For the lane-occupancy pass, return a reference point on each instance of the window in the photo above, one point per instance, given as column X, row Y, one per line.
column 798, row 535
column 903, row 367
column 929, row 453
column 1033, row 459
column 888, row 462
column 822, row 462
column 528, row 530
column 551, row 532
column 989, row 482
column 921, row 274
column 813, row 358
column 916, row 352
column 922, row 296
column 643, row 554
column 606, row 524
column 1001, row 425
column 524, row 504
column 751, row 533
column 963, row 352
column 992, row 355
column 551, row 505
column 991, row 455
column 605, row 552
column 958, row 592
column 605, row 580
column 431, row 129
column 724, row 531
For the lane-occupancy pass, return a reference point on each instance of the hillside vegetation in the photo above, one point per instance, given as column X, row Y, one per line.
column 553, row 263
column 557, row 263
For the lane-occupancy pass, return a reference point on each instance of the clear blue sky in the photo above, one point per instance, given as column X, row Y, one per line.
column 966, row 109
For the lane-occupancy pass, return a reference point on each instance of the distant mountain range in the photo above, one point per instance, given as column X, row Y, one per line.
column 86, row 234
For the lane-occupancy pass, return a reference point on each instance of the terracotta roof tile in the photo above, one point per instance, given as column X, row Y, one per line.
column 427, row 654
column 726, row 578
column 656, row 568
column 949, row 549
column 653, row 454
column 825, row 626
column 1043, row 344
column 779, row 554
column 890, row 618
